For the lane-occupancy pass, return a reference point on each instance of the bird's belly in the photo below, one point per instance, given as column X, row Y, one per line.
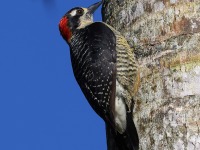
column 120, row 109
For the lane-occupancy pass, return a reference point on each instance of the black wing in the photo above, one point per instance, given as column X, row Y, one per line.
column 93, row 55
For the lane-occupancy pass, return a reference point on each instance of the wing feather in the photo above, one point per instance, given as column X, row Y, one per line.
column 93, row 55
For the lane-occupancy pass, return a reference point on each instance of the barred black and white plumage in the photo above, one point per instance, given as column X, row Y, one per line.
column 105, row 69
column 94, row 65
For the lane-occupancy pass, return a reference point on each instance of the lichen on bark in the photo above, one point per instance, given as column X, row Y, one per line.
column 166, row 37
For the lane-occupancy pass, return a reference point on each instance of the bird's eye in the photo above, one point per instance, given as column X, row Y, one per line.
column 79, row 12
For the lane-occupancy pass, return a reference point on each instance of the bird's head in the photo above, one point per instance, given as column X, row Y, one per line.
column 76, row 18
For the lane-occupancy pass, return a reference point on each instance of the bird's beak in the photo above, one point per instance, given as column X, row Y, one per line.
column 92, row 8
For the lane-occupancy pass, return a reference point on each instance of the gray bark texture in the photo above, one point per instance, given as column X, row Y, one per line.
column 166, row 37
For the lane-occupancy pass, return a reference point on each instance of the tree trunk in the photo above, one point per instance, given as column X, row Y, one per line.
column 166, row 38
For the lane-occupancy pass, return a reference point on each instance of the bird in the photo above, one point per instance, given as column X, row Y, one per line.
column 105, row 69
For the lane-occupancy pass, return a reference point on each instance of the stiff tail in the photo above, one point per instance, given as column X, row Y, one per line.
column 127, row 141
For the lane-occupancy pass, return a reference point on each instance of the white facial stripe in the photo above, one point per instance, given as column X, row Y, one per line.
column 85, row 10
column 73, row 13
column 85, row 21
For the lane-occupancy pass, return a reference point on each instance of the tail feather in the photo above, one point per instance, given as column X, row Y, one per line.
column 127, row 141
column 132, row 132
column 111, row 139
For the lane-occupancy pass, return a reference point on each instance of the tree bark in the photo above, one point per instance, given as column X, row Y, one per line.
column 166, row 38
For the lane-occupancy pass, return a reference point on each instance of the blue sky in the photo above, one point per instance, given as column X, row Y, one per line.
column 41, row 105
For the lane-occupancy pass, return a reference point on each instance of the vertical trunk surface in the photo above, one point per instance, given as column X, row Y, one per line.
column 166, row 37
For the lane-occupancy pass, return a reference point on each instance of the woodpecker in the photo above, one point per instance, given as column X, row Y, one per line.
column 105, row 69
